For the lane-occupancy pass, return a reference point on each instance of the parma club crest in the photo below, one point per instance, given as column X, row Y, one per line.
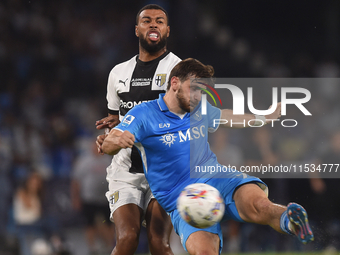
column 160, row 79
column 114, row 198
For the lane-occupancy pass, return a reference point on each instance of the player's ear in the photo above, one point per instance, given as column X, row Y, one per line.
column 168, row 33
column 175, row 83
column 136, row 31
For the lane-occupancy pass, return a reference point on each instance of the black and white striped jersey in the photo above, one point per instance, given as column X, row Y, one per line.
column 131, row 83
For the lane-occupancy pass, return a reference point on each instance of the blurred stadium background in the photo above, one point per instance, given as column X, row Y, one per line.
column 55, row 57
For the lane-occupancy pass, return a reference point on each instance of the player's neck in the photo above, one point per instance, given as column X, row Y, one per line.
column 172, row 103
column 146, row 56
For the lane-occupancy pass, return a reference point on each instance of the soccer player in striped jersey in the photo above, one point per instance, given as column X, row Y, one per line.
column 138, row 80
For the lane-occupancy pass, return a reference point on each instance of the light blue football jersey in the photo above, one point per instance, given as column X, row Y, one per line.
column 170, row 145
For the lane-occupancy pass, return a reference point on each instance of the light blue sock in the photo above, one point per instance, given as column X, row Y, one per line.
column 284, row 223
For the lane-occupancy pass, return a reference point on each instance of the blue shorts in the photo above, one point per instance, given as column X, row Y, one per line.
column 226, row 187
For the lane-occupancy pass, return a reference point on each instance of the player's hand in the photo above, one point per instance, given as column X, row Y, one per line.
column 108, row 122
column 99, row 142
column 125, row 140
column 117, row 140
column 275, row 115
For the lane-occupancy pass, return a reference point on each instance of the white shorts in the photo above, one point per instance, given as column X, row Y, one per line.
column 121, row 193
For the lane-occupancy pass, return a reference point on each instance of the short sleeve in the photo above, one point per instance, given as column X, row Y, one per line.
column 134, row 122
column 112, row 97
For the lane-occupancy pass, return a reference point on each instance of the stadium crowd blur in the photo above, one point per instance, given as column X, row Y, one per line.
column 55, row 57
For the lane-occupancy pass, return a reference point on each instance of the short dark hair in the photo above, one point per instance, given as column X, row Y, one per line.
column 152, row 7
column 190, row 67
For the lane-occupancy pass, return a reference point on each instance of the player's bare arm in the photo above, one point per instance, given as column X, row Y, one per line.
column 108, row 122
column 247, row 120
column 117, row 140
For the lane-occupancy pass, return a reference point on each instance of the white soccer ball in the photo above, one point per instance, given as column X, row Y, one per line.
column 201, row 205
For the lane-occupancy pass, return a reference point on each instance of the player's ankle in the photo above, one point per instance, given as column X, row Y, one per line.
column 285, row 224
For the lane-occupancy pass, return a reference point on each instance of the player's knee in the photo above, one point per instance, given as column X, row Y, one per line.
column 261, row 207
column 128, row 238
column 203, row 244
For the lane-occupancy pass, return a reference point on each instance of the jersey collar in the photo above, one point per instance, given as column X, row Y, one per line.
column 161, row 103
column 164, row 108
column 142, row 63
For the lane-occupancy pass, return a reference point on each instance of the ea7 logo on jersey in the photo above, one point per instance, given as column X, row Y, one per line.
column 164, row 125
column 160, row 79
column 168, row 139
column 127, row 120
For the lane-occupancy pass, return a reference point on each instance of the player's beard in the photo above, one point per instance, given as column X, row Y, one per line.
column 152, row 47
column 183, row 104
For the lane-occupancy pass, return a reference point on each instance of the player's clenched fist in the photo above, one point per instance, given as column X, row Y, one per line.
column 125, row 140
column 117, row 140
column 99, row 142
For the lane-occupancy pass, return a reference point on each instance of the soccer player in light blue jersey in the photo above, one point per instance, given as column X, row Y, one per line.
column 172, row 137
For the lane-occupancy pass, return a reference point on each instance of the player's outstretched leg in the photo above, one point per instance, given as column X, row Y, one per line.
column 253, row 206
column 158, row 226
column 297, row 215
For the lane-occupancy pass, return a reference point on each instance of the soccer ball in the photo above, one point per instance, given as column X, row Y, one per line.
column 201, row 205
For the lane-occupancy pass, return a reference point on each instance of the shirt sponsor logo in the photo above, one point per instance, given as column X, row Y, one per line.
column 160, row 79
column 131, row 104
column 188, row 135
column 191, row 133
column 141, row 82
